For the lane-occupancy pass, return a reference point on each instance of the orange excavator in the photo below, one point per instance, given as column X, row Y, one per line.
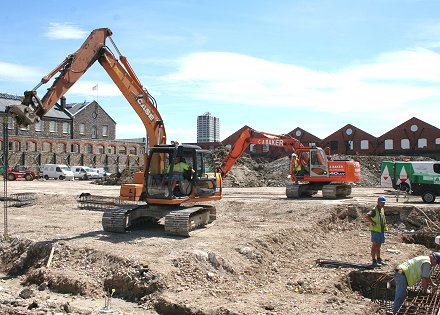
column 152, row 191
column 318, row 171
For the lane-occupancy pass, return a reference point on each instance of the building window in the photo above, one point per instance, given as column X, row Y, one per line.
column 228, row 146
column 111, row 150
column 312, row 144
column 132, row 150
column 11, row 123
column 47, row 147
column 122, row 150
column 61, row 148
column 265, row 148
column 349, row 144
column 388, row 144
column 94, row 132
column 14, row 146
column 404, row 144
column 252, row 148
column 89, row 148
column 82, row 129
column 364, row 144
column 334, row 146
column 100, row 149
column 66, row 127
column 422, row 143
column 104, row 131
column 31, row 146
column 52, row 126
column 24, row 128
column 39, row 126
column 74, row 148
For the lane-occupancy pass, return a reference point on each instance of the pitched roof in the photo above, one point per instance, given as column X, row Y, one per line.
column 75, row 108
column 8, row 99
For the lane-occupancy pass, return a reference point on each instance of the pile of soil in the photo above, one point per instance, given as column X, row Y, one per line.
column 250, row 173
column 258, row 172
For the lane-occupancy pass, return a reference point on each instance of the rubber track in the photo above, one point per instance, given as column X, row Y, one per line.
column 180, row 222
column 334, row 191
column 115, row 219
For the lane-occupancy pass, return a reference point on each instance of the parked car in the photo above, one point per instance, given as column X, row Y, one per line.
column 19, row 171
column 57, row 171
column 84, row 172
column 101, row 172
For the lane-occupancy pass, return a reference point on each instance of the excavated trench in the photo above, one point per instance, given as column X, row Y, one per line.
column 86, row 272
column 379, row 286
column 76, row 271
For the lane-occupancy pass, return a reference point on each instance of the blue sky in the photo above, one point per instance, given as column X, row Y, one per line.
column 272, row 65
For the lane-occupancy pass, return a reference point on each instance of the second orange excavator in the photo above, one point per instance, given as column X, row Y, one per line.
column 318, row 171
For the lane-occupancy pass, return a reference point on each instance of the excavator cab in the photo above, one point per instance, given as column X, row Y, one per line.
column 180, row 171
column 314, row 162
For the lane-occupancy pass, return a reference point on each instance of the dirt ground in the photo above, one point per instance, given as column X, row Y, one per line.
column 258, row 257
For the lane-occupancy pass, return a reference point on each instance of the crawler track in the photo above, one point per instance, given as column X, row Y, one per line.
column 330, row 191
column 180, row 221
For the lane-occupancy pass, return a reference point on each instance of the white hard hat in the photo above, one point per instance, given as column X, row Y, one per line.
column 293, row 154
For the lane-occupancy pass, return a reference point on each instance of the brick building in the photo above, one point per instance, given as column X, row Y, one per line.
column 72, row 134
column 413, row 137
column 350, row 140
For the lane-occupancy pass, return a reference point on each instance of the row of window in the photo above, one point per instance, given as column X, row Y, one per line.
column 422, row 143
column 53, row 127
column 30, row 146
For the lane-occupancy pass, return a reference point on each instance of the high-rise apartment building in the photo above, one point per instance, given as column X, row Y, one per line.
column 208, row 128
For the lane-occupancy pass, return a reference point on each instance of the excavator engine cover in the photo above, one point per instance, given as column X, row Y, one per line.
column 131, row 192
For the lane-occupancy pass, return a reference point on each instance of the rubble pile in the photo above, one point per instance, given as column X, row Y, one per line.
column 259, row 172
column 250, row 173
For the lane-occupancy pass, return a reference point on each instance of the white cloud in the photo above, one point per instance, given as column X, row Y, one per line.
column 394, row 80
column 11, row 71
column 85, row 88
column 65, row 31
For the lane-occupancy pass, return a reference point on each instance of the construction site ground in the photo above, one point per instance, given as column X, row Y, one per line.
column 258, row 257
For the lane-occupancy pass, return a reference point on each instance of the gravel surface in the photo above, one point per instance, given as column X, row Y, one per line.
column 258, row 257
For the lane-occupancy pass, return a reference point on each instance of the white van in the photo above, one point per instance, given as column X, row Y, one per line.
column 101, row 172
column 57, row 171
column 84, row 172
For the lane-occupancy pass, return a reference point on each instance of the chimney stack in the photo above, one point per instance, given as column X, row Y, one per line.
column 63, row 103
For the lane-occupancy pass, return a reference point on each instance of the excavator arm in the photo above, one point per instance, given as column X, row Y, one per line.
column 32, row 108
column 250, row 136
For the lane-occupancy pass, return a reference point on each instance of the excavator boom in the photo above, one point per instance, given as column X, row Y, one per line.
column 94, row 48
column 250, row 136
column 152, row 189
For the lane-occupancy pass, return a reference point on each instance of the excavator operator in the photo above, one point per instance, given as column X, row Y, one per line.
column 296, row 165
column 180, row 169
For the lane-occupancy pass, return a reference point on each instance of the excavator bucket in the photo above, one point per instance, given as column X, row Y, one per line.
column 88, row 201
column 20, row 199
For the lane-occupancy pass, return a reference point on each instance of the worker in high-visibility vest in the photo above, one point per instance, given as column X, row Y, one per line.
column 295, row 167
column 180, row 166
column 378, row 227
column 410, row 273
